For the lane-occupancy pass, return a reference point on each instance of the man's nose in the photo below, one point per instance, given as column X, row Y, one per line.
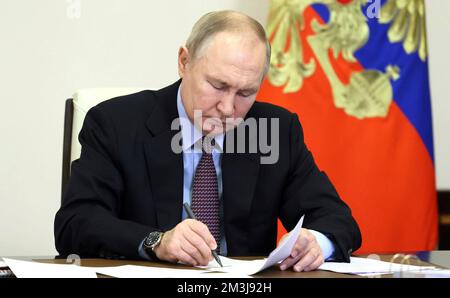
column 226, row 105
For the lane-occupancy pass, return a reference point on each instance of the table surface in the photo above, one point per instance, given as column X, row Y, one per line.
column 437, row 258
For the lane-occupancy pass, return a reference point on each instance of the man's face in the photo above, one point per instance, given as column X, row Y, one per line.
column 223, row 82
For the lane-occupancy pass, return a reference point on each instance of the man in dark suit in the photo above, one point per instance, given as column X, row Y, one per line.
column 126, row 192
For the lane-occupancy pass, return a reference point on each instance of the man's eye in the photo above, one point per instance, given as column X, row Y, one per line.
column 216, row 87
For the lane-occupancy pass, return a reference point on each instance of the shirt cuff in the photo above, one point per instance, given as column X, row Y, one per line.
column 325, row 244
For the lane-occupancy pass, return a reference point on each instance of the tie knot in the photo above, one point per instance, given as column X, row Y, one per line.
column 208, row 144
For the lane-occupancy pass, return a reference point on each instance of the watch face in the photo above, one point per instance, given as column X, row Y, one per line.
column 152, row 239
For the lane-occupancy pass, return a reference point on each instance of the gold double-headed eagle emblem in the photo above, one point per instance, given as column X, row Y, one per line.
column 369, row 93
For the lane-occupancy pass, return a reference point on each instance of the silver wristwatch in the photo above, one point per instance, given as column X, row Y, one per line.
column 151, row 242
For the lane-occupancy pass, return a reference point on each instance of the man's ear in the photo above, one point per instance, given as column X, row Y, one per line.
column 183, row 60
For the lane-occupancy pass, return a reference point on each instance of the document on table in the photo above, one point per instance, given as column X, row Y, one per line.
column 251, row 267
column 27, row 269
column 367, row 267
column 30, row 269
column 132, row 271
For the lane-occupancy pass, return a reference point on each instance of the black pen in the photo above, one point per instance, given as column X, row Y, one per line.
column 192, row 216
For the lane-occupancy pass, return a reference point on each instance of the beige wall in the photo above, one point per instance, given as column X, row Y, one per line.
column 46, row 55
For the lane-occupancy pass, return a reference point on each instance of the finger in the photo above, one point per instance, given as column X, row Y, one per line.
column 202, row 230
column 298, row 251
column 301, row 245
column 195, row 240
column 288, row 262
column 192, row 251
column 314, row 265
column 300, row 248
column 185, row 258
column 307, row 259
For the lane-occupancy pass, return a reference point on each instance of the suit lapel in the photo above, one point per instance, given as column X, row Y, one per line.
column 165, row 167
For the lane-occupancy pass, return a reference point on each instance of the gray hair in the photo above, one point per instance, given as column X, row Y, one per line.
column 219, row 21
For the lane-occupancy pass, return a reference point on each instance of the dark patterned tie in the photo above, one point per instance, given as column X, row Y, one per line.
column 205, row 191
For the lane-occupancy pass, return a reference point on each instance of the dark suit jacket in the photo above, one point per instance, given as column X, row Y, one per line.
column 128, row 182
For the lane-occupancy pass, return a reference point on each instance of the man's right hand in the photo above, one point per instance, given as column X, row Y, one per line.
column 190, row 242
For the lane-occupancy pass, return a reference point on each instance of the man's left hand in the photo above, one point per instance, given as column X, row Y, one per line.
column 306, row 254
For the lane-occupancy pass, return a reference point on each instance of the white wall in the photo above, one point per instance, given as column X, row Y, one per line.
column 45, row 56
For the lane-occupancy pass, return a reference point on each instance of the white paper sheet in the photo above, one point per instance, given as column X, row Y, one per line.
column 366, row 266
column 26, row 269
column 132, row 271
column 251, row 267
column 232, row 266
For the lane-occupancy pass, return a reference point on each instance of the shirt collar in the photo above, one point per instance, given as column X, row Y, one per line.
column 189, row 132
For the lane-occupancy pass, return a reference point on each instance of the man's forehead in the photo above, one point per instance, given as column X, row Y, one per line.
column 228, row 44
column 248, row 75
